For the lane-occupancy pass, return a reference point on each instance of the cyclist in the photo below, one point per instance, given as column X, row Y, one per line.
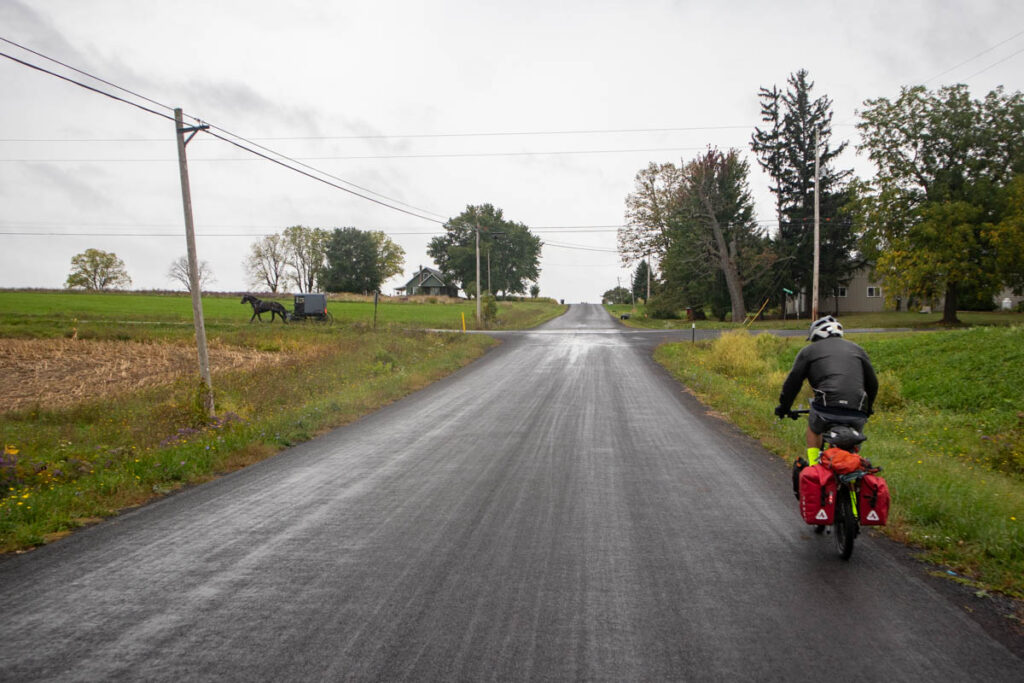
column 842, row 378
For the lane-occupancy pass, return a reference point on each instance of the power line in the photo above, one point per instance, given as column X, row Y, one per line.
column 968, row 61
column 992, row 66
column 236, row 144
column 84, row 73
column 366, row 157
column 406, row 136
column 83, row 85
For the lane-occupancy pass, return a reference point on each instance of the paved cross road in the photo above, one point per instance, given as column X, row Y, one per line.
column 559, row 510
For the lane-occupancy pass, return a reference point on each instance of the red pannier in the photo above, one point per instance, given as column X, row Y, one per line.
column 873, row 500
column 817, row 494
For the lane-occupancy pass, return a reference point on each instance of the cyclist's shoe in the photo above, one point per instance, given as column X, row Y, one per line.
column 798, row 466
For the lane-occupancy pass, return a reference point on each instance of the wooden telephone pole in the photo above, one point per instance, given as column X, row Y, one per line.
column 817, row 234
column 193, row 266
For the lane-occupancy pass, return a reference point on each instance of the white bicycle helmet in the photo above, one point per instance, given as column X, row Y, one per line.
column 823, row 328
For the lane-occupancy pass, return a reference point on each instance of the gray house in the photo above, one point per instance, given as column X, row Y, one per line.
column 861, row 295
column 864, row 295
column 425, row 281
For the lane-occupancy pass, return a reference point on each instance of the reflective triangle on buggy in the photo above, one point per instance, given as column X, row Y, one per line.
column 822, row 515
column 872, row 516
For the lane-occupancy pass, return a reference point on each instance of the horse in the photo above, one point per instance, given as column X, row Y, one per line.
column 259, row 306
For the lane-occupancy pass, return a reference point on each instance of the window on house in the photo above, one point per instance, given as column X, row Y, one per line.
column 842, row 292
column 874, row 292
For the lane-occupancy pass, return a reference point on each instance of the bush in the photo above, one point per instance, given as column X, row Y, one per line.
column 890, row 392
column 663, row 307
column 736, row 354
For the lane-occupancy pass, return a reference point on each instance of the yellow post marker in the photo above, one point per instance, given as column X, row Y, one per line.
column 463, row 322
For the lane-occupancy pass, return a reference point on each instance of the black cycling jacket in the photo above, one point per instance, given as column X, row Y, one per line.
column 838, row 371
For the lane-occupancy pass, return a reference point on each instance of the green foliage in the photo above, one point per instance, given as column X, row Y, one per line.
column 489, row 309
column 352, row 262
column 664, row 306
column 305, row 253
column 945, row 168
column 643, row 280
column 618, row 295
column 96, row 270
column 513, row 250
column 785, row 149
column 737, row 354
column 390, row 256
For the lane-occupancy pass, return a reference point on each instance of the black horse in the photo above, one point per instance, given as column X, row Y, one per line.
column 259, row 306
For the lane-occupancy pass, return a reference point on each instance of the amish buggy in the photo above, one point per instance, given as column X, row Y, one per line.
column 259, row 307
column 310, row 306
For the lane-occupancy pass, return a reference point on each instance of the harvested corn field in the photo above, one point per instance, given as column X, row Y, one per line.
column 61, row 372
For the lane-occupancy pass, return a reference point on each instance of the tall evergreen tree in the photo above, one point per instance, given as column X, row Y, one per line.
column 785, row 149
column 642, row 277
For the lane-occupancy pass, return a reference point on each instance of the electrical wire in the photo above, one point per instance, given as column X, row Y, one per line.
column 992, row 66
column 968, row 61
column 408, row 136
column 83, row 85
column 297, row 160
column 84, row 73
column 236, row 144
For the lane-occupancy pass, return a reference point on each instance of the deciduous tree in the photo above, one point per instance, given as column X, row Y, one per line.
column 305, row 250
column 267, row 263
column 390, row 256
column 946, row 164
column 352, row 262
column 180, row 272
column 97, row 270
column 651, row 213
column 514, row 251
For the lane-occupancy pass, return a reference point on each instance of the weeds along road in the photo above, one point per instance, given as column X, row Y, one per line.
column 559, row 510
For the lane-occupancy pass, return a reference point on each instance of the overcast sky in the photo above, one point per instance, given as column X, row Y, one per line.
column 436, row 105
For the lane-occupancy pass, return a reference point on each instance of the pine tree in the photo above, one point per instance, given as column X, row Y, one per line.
column 640, row 280
column 785, row 149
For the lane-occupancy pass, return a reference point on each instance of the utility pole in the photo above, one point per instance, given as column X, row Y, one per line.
column 648, row 280
column 478, row 274
column 817, row 234
column 489, row 290
column 193, row 266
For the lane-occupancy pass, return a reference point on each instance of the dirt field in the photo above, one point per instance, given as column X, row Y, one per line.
column 61, row 372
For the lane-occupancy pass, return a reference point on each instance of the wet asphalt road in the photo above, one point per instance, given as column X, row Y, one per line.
column 559, row 510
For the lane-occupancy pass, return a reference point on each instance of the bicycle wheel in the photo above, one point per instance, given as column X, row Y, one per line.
column 845, row 524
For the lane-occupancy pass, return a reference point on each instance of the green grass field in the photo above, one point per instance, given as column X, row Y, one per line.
column 55, row 314
column 948, row 430
column 61, row 468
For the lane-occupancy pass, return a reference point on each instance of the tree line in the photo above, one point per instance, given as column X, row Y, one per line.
column 351, row 260
column 943, row 216
column 315, row 259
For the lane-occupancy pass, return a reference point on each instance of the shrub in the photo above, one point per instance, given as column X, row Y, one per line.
column 735, row 354
column 663, row 307
column 890, row 392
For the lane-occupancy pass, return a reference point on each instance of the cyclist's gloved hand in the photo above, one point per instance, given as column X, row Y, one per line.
column 781, row 412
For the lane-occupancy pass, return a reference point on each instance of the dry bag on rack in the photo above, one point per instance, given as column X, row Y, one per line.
column 873, row 500
column 817, row 494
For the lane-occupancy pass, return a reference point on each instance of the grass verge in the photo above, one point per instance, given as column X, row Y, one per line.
column 948, row 432
column 886, row 320
column 64, row 468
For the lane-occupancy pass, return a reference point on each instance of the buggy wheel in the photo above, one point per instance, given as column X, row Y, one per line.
column 845, row 524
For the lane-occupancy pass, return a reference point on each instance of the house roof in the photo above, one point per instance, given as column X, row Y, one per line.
column 426, row 277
